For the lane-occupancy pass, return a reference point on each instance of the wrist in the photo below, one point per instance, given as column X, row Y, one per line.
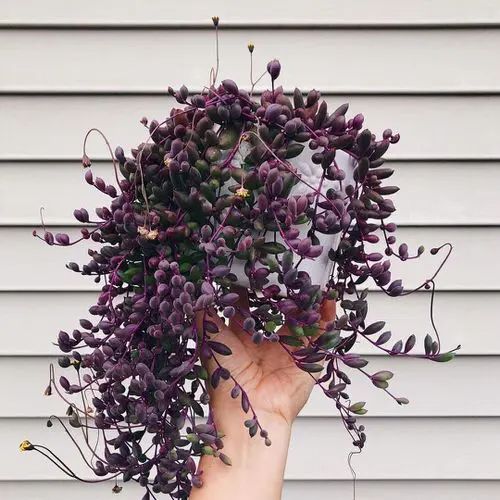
column 250, row 457
column 271, row 439
column 230, row 417
column 227, row 412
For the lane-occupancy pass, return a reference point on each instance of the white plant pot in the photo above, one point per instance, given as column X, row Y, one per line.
column 320, row 268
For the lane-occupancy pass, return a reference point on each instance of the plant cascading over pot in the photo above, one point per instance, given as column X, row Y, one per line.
column 278, row 195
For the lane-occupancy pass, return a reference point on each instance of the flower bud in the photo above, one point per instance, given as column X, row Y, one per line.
column 230, row 86
column 274, row 68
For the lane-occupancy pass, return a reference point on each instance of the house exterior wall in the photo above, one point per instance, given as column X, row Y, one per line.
column 427, row 69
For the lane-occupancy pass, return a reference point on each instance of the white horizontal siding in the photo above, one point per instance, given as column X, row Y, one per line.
column 334, row 12
column 413, row 378
column 293, row 490
column 430, row 127
column 438, row 87
column 44, row 266
column 422, row 186
column 330, row 59
column 389, row 490
column 398, row 448
column 54, row 311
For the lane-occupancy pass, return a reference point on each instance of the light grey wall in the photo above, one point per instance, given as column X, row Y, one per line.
column 427, row 69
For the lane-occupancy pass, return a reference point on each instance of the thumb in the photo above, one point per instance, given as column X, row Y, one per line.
column 327, row 311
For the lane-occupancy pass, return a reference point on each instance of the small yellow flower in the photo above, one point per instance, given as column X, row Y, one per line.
column 242, row 192
column 152, row 235
column 251, row 46
column 149, row 234
column 25, row 446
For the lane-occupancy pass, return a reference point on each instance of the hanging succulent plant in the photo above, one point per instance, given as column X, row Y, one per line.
column 227, row 191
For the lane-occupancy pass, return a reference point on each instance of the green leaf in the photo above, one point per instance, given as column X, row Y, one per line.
column 310, row 331
column 289, row 182
column 202, row 166
column 185, row 267
column 287, row 259
column 128, row 275
column 297, row 330
column 294, row 149
column 355, row 407
column 329, row 340
column 200, row 372
column 292, row 341
column 354, row 361
column 208, row 192
column 444, row 358
column 273, row 247
column 271, row 263
column 311, row 367
column 381, row 384
column 197, row 408
column 301, row 219
column 195, row 274
column 228, row 138
column 192, row 438
column 270, row 326
column 383, row 375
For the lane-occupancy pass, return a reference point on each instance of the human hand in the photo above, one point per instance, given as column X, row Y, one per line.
column 276, row 389
column 275, row 386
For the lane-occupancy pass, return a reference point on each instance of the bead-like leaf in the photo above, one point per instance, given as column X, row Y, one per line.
column 273, row 248
column 385, row 337
column 225, row 459
column 374, row 328
column 219, row 348
column 311, row 367
column 443, row 358
column 383, row 375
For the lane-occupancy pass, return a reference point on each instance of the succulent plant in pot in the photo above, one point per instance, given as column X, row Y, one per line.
column 278, row 195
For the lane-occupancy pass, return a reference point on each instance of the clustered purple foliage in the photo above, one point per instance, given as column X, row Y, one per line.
column 180, row 216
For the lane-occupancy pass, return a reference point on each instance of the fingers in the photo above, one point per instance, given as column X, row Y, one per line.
column 327, row 314
column 243, row 294
column 327, row 311
column 242, row 306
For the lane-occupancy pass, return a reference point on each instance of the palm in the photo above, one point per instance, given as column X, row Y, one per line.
column 267, row 373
